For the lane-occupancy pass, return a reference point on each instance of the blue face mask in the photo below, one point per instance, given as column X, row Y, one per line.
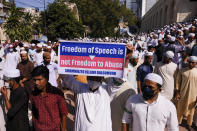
column 148, row 93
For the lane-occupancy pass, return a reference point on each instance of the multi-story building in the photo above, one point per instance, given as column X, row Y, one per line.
column 140, row 7
column 3, row 15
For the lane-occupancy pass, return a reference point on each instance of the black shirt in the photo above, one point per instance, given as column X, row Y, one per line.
column 17, row 116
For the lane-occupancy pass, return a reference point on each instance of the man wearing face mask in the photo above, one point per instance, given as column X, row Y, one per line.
column 150, row 111
column 12, row 59
column 93, row 103
column 17, row 105
column 26, row 67
column 186, row 91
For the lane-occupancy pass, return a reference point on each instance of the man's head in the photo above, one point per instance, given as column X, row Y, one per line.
column 47, row 58
column 12, row 77
column 24, row 56
column 148, row 58
column 172, row 40
column 192, row 62
column 134, row 58
column 40, row 75
column 191, row 37
column 39, row 47
column 49, row 49
column 95, row 81
column 11, row 48
column 152, row 86
column 169, row 55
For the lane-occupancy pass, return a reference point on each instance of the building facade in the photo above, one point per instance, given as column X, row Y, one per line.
column 165, row 12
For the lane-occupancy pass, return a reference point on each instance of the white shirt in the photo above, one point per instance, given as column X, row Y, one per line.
column 53, row 54
column 12, row 59
column 93, row 111
column 130, row 75
column 167, row 72
column 38, row 58
column 150, row 117
column 53, row 67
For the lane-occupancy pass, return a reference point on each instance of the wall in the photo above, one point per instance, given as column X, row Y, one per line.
column 168, row 11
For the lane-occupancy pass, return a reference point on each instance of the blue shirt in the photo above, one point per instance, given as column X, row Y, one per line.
column 142, row 71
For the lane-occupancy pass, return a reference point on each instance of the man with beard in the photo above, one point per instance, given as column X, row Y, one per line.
column 186, row 91
column 17, row 105
column 167, row 70
column 26, row 67
column 150, row 111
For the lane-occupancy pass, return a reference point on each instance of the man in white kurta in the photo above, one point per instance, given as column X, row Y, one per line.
column 167, row 70
column 93, row 112
column 12, row 59
column 38, row 56
column 150, row 111
column 53, row 67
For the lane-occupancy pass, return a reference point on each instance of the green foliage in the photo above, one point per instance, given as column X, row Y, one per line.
column 61, row 22
column 18, row 25
column 103, row 16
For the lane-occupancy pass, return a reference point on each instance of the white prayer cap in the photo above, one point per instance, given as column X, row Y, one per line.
column 195, row 19
column 13, row 73
column 49, row 41
column 149, row 53
column 33, row 44
column 169, row 54
column 168, row 36
column 154, row 77
column 16, row 40
column 55, row 42
column 25, row 45
column 191, row 35
column 172, row 39
column 39, row 45
column 192, row 59
column 44, row 45
column 158, row 31
column 135, row 55
column 186, row 28
column 22, row 48
column 11, row 46
column 49, row 47
column 193, row 27
column 23, row 52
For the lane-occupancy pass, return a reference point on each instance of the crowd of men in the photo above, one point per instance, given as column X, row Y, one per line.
column 158, row 89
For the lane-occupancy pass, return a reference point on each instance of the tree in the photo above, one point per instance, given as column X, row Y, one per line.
column 18, row 25
column 61, row 22
column 103, row 16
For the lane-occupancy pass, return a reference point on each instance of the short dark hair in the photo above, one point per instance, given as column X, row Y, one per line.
column 41, row 71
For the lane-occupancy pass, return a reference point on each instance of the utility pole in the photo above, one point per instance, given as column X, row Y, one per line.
column 45, row 28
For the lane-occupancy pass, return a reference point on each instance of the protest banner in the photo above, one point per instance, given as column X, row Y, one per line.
column 91, row 59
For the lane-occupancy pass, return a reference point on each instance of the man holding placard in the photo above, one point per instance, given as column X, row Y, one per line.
column 93, row 111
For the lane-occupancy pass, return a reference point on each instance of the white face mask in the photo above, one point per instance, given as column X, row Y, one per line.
column 6, row 85
column 11, row 49
column 94, row 84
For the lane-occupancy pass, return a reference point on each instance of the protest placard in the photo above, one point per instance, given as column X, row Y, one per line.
column 92, row 59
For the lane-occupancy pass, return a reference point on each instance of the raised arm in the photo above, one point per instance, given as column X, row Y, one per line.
column 70, row 82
